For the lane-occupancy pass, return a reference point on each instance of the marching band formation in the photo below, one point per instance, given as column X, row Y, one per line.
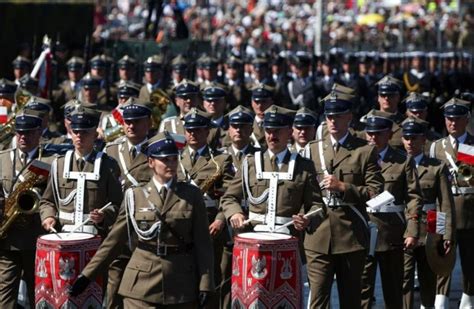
column 226, row 183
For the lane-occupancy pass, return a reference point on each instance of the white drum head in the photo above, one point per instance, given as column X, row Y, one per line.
column 264, row 236
column 67, row 236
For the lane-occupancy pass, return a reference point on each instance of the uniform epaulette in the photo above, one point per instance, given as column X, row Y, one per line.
column 6, row 150
column 168, row 119
column 400, row 152
column 118, row 141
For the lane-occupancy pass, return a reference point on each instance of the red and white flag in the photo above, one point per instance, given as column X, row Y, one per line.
column 43, row 68
column 179, row 140
column 3, row 114
column 466, row 154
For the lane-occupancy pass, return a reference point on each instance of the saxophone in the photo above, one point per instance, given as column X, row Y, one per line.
column 210, row 181
column 24, row 200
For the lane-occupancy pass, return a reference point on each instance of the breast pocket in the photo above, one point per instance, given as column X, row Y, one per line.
column 145, row 219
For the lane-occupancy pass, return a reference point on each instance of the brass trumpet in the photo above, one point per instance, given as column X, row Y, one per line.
column 464, row 172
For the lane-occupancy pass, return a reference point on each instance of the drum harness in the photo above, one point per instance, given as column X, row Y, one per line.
column 270, row 219
column 154, row 230
column 77, row 194
column 456, row 189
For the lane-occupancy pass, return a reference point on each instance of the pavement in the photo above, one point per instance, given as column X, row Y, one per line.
column 454, row 297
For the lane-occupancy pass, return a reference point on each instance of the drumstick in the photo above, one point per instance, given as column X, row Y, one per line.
column 87, row 220
column 292, row 221
column 52, row 229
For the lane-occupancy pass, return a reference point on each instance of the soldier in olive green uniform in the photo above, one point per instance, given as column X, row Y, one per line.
column 240, row 128
column 299, row 194
column 69, row 89
column 262, row 98
column 81, row 182
column 214, row 102
column 171, row 266
column 211, row 171
column 304, row 129
column 130, row 153
column 347, row 170
column 17, row 249
column 399, row 172
column 389, row 97
column 456, row 113
column 433, row 176
column 417, row 106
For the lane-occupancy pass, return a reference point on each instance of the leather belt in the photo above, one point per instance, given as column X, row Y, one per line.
column 334, row 202
column 70, row 216
column 210, row 203
column 261, row 218
column 462, row 190
column 431, row 206
column 164, row 250
column 387, row 209
column 85, row 229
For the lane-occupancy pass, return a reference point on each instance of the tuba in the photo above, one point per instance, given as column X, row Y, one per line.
column 160, row 99
column 24, row 200
column 7, row 131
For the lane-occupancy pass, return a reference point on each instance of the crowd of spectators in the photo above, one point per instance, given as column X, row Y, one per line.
column 253, row 25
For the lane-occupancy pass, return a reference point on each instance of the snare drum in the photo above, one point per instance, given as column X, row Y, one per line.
column 266, row 271
column 60, row 258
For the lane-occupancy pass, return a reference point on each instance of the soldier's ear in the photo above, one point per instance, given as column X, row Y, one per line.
column 150, row 162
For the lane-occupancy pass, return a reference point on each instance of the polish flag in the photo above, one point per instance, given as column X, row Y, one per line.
column 117, row 114
column 436, row 222
column 39, row 168
column 179, row 140
column 3, row 114
column 466, row 154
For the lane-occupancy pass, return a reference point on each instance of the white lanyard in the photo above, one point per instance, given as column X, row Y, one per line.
column 124, row 166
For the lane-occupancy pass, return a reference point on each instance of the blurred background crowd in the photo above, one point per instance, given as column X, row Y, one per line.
column 352, row 24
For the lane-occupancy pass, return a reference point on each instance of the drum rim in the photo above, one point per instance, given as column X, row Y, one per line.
column 278, row 237
column 83, row 236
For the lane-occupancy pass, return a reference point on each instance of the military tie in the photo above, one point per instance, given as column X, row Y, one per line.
column 80, row 164
column 133, row 152
column 239, row 155
column 273, row 161
column 24, row 158
column 336, row 147
column 456, row 144
column 163, row 193
column 194, row 157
